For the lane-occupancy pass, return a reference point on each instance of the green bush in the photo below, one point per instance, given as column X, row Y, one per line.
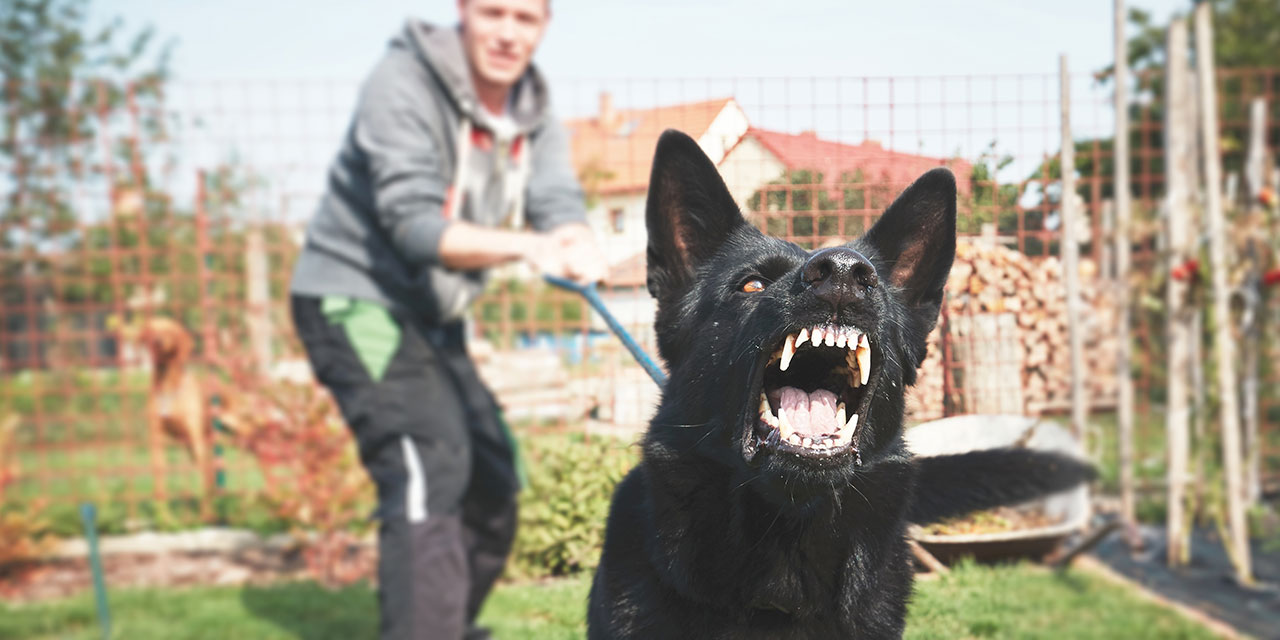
column 564, row 507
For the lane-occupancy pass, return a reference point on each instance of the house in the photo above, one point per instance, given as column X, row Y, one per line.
column 612, row 153
column 761, row 157
column 756, row 159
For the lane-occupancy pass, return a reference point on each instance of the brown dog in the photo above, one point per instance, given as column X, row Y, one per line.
column 176, row 405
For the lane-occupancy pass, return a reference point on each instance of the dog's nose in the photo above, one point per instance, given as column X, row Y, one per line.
column 839, row 276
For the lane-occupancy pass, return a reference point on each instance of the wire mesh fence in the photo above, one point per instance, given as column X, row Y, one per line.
column 150, row 231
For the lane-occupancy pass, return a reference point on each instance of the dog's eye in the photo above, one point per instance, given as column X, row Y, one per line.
column 753, row 285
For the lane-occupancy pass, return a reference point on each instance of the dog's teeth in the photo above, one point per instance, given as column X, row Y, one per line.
column 801, row 337
column 840, row 414
column 816, row 336
column 807, row 441
column 784, row 426
column 788, row 352
column 864, row 362
column 841, row 339
column 794, row 439
column 830, row 338
column 847, row 431
column 854, row 337
column 851, row 359
column 764, row 404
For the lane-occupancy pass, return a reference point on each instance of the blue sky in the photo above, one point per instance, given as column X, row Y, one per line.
column 287, row 39
column 271, row 82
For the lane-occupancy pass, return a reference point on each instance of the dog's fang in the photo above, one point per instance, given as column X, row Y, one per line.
column 840, row 414
column 864, row 362
column 851, row 359
column 788, row 352
column 784, row 427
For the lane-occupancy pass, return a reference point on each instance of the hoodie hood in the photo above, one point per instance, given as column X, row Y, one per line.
column 440, row 50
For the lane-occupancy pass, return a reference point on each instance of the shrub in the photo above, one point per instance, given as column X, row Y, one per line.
column 564, row 507
column 313, row 481
column 23, row 534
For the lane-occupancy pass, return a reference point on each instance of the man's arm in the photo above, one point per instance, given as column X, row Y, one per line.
column 465, row 246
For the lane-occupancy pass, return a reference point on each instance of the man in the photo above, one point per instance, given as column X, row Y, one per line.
column 451, row 140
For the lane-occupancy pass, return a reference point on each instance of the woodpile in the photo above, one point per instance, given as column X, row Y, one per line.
column 1006, row 331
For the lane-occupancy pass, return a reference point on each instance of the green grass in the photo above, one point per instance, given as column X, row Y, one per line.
column 973, row 602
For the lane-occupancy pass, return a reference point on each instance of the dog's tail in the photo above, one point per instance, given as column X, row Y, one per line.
column 953, row 485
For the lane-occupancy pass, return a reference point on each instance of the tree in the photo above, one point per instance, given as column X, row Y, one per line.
column 67, row 87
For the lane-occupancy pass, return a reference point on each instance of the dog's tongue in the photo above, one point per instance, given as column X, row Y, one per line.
column 809, row 414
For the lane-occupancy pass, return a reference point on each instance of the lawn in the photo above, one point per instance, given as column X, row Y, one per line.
column 973, row 602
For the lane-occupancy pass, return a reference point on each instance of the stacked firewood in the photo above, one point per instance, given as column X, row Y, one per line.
column 1006, row 330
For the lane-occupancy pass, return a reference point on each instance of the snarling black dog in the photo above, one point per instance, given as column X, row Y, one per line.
column 775, row 489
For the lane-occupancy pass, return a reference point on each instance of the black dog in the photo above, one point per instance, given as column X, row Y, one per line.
column 775, row 489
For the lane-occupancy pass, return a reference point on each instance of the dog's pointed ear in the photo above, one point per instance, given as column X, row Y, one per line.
column 916, row 237
column 689, row 213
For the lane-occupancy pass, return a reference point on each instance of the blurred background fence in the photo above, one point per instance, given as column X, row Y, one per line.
column 187, row 201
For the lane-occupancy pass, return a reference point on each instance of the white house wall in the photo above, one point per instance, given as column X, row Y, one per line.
column 724, row 131
column 747, row 167
column 618, row 246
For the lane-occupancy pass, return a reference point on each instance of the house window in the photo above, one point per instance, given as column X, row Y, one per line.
column 617, row 220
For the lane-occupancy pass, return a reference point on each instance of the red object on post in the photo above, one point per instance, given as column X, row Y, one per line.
column 1186, row 270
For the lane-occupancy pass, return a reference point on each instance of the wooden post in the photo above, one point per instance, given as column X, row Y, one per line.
column 258, row 296
column 1070, row 248
column 1255, row 180
column 1124, row 380
column 1228, row 392
column 1179, row 136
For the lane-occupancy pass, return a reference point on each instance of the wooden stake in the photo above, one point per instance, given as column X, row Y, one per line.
column 1228, row 391
column 1124, row 380
column 1179, row 139
column 1255, row 177
column 1070, row 249
column 927, row 559
column 258, row 297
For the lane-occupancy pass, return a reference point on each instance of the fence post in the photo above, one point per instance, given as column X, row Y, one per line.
column 1179, row 175
column 257, row 295
column 1122, row 246
column 1255, row 172
column 1070, row 248
column 1228, row 398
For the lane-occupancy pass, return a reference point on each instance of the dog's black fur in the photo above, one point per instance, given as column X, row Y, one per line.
column 722, row 533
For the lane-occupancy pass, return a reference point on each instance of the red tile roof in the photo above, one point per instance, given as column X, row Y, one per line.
column 617, row 145
column 805, row 151
column 632, row 272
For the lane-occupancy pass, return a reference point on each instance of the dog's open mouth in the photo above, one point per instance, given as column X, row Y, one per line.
column 815, row 385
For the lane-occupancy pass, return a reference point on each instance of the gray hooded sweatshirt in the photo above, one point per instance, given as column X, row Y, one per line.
column 420, row 153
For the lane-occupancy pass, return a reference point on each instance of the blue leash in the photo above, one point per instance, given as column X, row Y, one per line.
column 589, row 292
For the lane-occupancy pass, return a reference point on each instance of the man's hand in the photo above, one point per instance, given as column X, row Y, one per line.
column 583, row 261
column 570, row 251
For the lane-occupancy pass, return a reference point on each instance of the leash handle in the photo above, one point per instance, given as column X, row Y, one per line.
column 589, row 292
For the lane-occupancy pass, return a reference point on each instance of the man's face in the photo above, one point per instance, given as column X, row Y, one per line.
column 500, row 36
